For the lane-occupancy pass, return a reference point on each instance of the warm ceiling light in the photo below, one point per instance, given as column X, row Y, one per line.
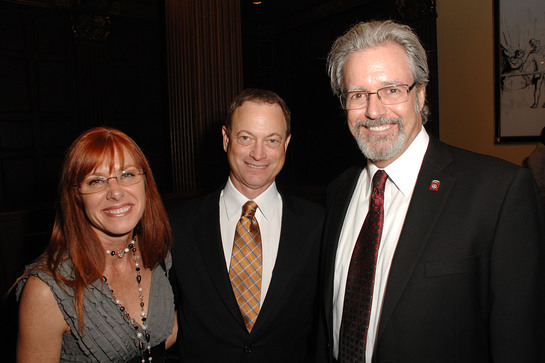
column 256, row 2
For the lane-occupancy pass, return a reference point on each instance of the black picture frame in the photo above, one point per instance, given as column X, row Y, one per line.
column 519, row 38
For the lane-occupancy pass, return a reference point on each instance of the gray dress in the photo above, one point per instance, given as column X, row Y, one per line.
column 108, row 337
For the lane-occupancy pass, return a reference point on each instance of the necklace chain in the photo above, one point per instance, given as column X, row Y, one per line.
column 144, row 338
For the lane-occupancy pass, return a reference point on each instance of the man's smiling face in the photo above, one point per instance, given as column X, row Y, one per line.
column 383, row 132
column 256, row 146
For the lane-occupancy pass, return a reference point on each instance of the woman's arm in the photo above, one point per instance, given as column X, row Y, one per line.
column 172, row 337
column 41, row 324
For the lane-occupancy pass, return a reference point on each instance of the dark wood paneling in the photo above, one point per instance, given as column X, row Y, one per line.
column 15, row 90
column 205, row 73
column 57, row 83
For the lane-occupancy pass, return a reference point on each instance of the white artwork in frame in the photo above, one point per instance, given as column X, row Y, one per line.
column 520, row 69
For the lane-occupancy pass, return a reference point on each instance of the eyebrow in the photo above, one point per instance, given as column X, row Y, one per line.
column 251, row 134
column 125, row 167
column 385, row 84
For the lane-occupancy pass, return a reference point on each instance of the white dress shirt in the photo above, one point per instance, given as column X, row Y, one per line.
column 269, row 217
column 402, row 175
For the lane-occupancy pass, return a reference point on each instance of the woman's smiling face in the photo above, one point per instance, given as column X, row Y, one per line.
column 117, row 209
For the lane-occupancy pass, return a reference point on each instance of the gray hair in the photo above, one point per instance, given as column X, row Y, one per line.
column 371, row 34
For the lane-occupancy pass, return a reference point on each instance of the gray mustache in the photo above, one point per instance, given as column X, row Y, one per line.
column 379, row 121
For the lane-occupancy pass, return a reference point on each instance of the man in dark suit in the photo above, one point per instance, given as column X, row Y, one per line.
column 453, row 268
column 270, row 313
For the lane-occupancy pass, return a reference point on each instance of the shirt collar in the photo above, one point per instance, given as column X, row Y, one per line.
column 234, row 200
column 403, row 171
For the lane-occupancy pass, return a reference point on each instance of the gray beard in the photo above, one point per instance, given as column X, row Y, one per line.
column 380, row 148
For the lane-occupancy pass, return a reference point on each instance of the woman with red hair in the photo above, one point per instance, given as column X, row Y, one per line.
column 100, row 291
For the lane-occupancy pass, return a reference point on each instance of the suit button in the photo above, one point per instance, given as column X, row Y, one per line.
column 247, row 349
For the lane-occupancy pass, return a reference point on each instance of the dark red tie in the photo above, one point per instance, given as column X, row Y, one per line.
column 361, row 278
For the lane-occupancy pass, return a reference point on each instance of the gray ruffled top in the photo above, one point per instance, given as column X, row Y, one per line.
column 108, row 336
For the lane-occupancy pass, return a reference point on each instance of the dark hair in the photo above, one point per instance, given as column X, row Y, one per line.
column 259, row 96
column 73, row 237
column 367, row 35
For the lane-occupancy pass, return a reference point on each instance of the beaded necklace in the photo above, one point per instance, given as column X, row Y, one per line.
column 143, row 336
column 121, row 252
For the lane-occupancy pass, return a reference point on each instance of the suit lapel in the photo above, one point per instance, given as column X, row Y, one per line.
column 285, row 258
column 425, row 207
column 336, row 211
column 207, row 230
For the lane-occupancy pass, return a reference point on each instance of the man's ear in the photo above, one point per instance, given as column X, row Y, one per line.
column 287, row 142
column 421, row 89
column 225, row 135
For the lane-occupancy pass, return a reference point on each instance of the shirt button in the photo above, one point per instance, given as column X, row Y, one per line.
column 247, row 349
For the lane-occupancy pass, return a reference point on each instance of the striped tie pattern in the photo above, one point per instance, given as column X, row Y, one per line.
column 245, row 267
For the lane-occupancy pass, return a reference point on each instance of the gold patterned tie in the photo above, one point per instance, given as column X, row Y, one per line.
column 245, row 267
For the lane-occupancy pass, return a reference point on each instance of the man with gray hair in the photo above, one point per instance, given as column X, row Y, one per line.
column 431, row 253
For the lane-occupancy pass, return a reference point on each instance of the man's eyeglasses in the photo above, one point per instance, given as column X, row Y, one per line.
column 390, row 95
column 94, row 184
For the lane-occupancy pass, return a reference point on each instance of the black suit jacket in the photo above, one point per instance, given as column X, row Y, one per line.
column 211, row 328
column 466, row 279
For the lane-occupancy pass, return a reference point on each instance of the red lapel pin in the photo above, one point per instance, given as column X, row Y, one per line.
column 435, row 185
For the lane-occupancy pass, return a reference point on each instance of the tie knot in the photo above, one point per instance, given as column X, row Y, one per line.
column 379, row 180
column 249, row 208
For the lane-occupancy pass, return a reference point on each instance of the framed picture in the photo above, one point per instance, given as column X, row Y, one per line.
column 519, row 69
